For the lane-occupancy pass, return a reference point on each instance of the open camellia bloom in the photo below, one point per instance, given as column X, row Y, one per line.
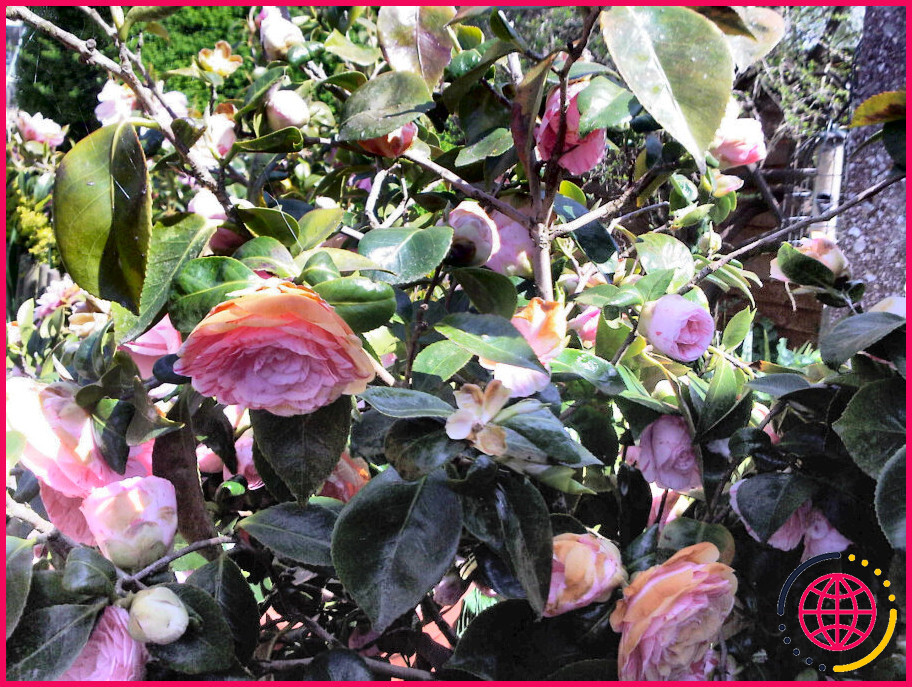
column 111, row 654
column 116, row 103
column 579, row 154
column 666, row 455
column 672, row 613
column 543, row 324
column 276, row 347
column 473, row 419
column 822, row 249
column 219, row 60
column 676, row 327
column 162, row 339
column 134, row 520
column 738, row 141
column 394, row 143
column 586, row 568
column 39, row 128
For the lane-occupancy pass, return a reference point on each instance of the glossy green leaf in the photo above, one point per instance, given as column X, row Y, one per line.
column 146, row 422
column 777, row 385
column 415, row 39
column 597, row 371
column 409, row 253
column 274, row 223
column 110, row 419
column 610, row 295
column 593, row 238
column 19, row 554
column 684, row 532
column 604, row 105
column 489, row 291
column 201, row 284
column 103, row 214
column 318, row 268
column 223, row 580
column 544, row 430
column 384, row 103
column 870, row 436
column 347, row 80
column 303, row 449
column 177, row 239
column 494, row 143
column 890, row 499
column 361, row 55
column 287, row 140
column 299, row 532
column 344, row 260
column 572, row 191
column 768, row 500
column 48, row 641
column 857, row 333
column 727, row 19
column 490, row 337
column 802, row 269
column 490, row 51
column 257, row 91
column 267, row 253
column 442, row 358
column 363, row 304
column 394, row 541
column 737, row 328
column 402, row 403
column 417, row 447
column 663, row 252
column 88, row 572
column 205, row 648
column 318, row 225
column 678, row 65
column 767, row 28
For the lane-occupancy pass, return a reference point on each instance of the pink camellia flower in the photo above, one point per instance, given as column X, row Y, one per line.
column 278, row 347
column 585, row 568
column 39, row 128
column 674, row 503
column 111, row 654
column 205, row 203
column 347, row 478
column 666, row 455
column 116, row 103
column 822, row 249
column 175, row 100
column 162, row 339
column 512, row 253
column 738, row 141
column 219, row 60
column 473, row 420
column 277, row 34
column 725, row 183
column 579, row 154
column 286, row 108
column 672, row 613
column 394, row 143
column 133, row 520
column 475, row 236
column 543, row 325
column 59, row 292
column 806, row 523
column 676, row 327
column 586, row 325
column 244, row 450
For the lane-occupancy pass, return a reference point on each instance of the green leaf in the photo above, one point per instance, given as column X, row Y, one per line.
column 384, row 103
column 176, row 240
column 88, row 572
column 362, row 303
column 146, row 422
column 337, row 665
column 490, row 337
column 442, row 358
column 301, row 533
column 663, row 252
column 344, row 260
column 201, row 649
column 287, row 140
column 737, row 328
column 202, row 284
column 489, row 291
column 145, row 13
column 409, row 253
column 490, row 52
column 48, row 641
column 890, row 500
column 110, row 419
column 679, row 67
column 604, row 105
column 267, row 253
column 801, row 269
column 873, row 426
column 889, row 106
column 318, row 225
column 767, row 28
column 417, row 447
column 545, row 431
column 318, row 268
column 303, row 449
column 494, row 143
column 361, row 55
column 347, row 80
column 223, row 580
column 394, row 541
column 257, row 91
column 273, row 223
column 403, row 403
column 593, row 238
column 572, row 191
column 767, row 501
column 894, row 140
column 857, row 333
column 777, row 385
column 655, row 284
column 611, row 295
column 415, row 39
column 727, row 19
column 683, row 532
column 597, row 371
column 103, row 214
column 19, row 554
column 721, row 396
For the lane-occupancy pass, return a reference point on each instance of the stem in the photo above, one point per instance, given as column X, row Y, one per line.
column 624, row 346
column 431, row 611
column 375, row 666
column 164, row 561
column 419, row 326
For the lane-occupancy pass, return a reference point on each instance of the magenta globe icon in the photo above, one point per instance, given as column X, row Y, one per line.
column 837, row 612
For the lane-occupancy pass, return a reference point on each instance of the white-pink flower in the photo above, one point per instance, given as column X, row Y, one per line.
column 585, row 568
column 39, row 128
column 286, row 108
column 475, row 236
column 738, row 141
column 116, row 103
column 586, row 325
column 162, row 339
column 111, row 654
column 277, row 34
column 579, row 154
column 511, row 254
column 666, row 454
column 677, row 327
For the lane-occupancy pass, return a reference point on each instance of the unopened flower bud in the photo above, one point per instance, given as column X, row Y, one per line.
column 158, row 616
column 286, row 108
column 709, row 243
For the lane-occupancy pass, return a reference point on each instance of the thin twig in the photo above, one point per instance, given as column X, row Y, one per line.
column 561, row 229
column 371, row 204
column 624, row 346
column 419, row 326
column 164, row 561
column 432, row 612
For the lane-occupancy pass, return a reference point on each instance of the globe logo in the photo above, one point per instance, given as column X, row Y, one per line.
column 837, row 612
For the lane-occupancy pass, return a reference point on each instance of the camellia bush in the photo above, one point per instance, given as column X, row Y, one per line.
column 347, row 378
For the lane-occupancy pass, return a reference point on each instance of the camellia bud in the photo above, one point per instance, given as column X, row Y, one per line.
column 586, row 568
column 158, row 616
column 394, row 143
column 475, row 235
column 286, row 108
column 709, row 243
